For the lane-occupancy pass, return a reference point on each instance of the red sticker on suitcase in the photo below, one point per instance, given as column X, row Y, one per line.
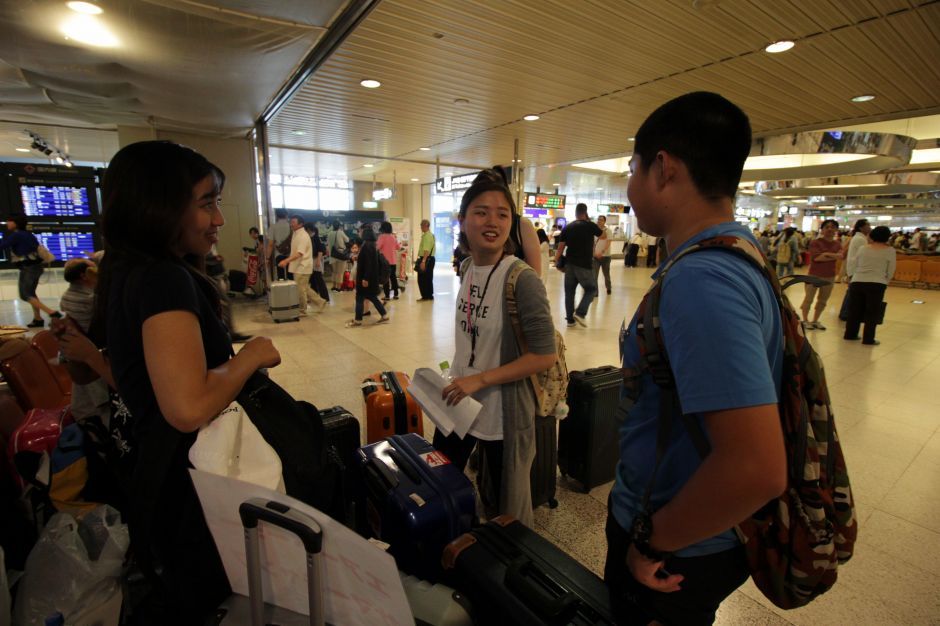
column 435, row 459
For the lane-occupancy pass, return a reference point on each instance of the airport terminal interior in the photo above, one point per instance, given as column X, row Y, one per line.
column 366, row 111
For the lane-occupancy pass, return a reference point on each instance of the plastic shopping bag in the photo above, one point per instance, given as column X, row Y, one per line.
column 74, row 560
column 231, row 445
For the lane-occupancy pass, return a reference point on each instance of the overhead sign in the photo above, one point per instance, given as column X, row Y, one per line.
column 612, row 208
column 370, row 204
column 544, row 200
column 454, row 183
column 386, row 193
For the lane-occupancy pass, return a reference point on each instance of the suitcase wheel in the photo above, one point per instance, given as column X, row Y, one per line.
column 553, row 503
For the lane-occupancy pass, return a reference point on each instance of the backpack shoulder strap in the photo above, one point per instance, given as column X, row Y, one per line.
column 512, row 277
column 464, row 266
column 653, row 348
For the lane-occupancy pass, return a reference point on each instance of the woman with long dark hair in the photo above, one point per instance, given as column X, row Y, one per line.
column 171, row 355
column 489, row 364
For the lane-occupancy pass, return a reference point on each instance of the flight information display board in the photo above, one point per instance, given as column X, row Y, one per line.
column 68, row 245
column 545, row 201
column 57, row 201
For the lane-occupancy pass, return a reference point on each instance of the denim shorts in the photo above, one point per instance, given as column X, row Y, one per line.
column 29, row 280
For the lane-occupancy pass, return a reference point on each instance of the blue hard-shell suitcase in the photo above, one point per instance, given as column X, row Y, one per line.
column 416, row 501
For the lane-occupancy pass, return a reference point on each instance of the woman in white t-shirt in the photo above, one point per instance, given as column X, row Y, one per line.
column 489, row 364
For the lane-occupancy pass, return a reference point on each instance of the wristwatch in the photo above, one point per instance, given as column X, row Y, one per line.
column 640, row 534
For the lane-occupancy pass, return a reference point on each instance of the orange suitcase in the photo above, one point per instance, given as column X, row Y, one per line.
column 390, row 409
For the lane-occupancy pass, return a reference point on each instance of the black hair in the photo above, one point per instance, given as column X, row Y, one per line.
column 299, row 218
column 859, row 225
column 367, row 233
column 543, row 238
column 280, row 214
column 580, row 209
column 145, row 192
column 827, row 222
column 337, row 225
column 19, row 219
column 881, row 234
column 74, row 272
column 385, row 227
column 492, row 179
column 704, row 130
column 788, row 233
column 254, row 229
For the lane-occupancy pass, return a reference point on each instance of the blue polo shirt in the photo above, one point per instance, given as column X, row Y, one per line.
column 20, row 243
column 721, row 325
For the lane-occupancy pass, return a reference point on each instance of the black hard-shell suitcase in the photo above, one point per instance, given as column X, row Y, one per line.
column 241, row 611
column 544, row 473
column 342, row 432
column 512, row 575
column 588, row 445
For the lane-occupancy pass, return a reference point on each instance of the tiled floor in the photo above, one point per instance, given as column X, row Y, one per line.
column 885, row 398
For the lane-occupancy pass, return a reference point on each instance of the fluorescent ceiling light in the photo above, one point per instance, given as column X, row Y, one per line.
column 631, row 138
column 22, row 149
column 89, row 31
column 368, row 165
column 779, row 46
column 414, row 180
column 424, row 148
column 553, row 184
column 883, row 218
column 299, row 133
column 598, row 189
column 930, row 155
column 779, row 161
column 85, row 7
column 863, row 98
column 620, row 164
column 531, row 118
column 370, row 83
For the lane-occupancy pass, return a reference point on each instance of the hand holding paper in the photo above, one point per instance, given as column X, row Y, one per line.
column 427, row 387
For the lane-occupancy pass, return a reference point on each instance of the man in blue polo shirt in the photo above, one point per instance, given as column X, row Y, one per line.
column 722, row 332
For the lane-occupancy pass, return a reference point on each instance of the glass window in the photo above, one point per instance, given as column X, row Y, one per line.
column 277, row 197
column 304, row 198
column 336, row 199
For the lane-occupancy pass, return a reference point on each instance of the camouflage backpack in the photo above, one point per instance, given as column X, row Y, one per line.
column 794, row 543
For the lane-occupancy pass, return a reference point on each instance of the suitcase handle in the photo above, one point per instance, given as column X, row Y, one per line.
column 521, row 578
column 311, row 535
column 405, row 466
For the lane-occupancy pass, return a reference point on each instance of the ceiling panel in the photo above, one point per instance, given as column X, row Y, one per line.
column 594, row 69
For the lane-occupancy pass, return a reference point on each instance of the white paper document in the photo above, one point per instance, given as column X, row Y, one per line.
column 361, row 583
column 426, row 386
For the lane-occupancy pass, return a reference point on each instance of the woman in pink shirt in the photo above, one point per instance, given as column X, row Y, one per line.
column 388, row 246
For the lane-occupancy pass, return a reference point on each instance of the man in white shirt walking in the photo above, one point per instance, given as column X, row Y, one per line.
column 300, row 264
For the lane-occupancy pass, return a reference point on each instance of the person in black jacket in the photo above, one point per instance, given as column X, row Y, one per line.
column 367, row 278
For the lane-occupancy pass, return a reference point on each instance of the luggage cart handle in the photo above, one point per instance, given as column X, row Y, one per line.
column 311, row 535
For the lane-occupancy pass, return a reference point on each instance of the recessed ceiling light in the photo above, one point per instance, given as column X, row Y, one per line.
column 299, row 133
column 414, row 180
column 556, row 184
column 22, row 149
column 368, row 165
column 863, row 98
column 531, row 118
column 461, row 102
column 631, row 138
column 779, row 46
column 370, row 83
column 85, row 7
column 424, row 148
column 598, row 189
column 88, row 30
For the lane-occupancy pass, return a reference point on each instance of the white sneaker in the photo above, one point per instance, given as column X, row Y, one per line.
column 580, row 320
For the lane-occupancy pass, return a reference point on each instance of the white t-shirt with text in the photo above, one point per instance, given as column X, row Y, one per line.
column 480, row 310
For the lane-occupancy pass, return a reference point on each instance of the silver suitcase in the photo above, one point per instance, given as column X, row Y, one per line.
column 241, row 611
column 284, row 301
